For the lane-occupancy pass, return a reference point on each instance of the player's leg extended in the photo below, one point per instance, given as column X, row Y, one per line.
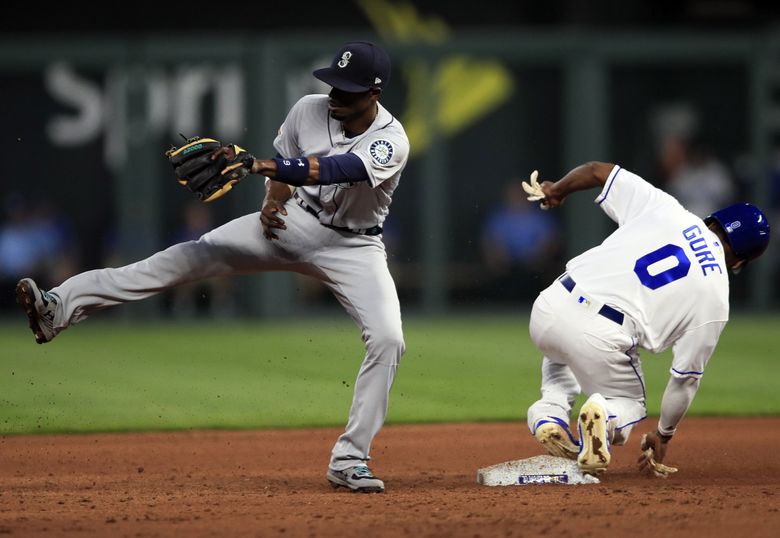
column 602, row 356
column 621, row 391
column 236, row 247
column 357, row 273
column 610, row 373
column 549, row 417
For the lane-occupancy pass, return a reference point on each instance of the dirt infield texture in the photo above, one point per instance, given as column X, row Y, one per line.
column 271, row 483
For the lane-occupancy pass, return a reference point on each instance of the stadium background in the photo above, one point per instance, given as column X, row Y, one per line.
column 92, row 94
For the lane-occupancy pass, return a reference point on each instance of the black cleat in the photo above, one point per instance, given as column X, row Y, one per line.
column 39, row 306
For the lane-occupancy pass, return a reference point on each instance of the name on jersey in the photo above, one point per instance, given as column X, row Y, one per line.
column 381, row 151
column 701, row 250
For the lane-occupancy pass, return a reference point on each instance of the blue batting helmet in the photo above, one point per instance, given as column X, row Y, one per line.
column 746, row 228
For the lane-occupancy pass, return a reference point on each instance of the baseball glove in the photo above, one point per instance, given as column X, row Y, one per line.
column 209, row 178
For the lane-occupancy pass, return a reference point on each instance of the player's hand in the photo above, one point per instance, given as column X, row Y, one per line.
column 228, row 151
column 269, row 218
column 534, row 190
column 551, row 196
column 543, row 192
column 653, row 448
column 654, row 441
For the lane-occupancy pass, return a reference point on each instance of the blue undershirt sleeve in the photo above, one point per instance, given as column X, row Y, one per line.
column 344, row 168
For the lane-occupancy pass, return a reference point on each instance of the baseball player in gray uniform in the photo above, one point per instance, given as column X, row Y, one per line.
column 340, row 157
column 660, row 280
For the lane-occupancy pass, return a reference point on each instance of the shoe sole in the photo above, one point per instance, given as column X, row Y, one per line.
column 337, row 483
column 552, row 439
column 594, row 456
column 26, row 299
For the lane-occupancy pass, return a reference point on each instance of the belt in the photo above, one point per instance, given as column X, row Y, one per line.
column 606, row 310
column 373, row 230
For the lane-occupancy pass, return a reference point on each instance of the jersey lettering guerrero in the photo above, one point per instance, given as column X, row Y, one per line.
column 310, row 131
column 663, row 267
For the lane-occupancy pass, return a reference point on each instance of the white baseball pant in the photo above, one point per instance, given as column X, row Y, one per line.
column 589, row 353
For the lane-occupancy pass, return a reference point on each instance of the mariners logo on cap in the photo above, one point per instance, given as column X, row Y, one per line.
column 344, row 62
column 381, row 151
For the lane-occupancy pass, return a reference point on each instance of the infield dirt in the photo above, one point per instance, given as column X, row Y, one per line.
column 271, row 483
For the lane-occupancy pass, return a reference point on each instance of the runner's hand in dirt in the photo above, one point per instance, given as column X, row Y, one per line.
column 653, row 448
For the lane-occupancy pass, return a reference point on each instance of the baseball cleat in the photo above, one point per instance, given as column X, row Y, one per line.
column 39, row 307
column 358, row 478
column 594, row 453
column 557, row 440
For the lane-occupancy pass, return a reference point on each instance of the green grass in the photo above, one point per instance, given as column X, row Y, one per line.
column 111, row 376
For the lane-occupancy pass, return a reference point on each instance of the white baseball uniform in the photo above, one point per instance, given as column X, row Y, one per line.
column 350, row 262
column 659, row 280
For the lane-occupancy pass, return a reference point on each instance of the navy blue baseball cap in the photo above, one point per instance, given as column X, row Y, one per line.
column 357, row 67
column 746, row 227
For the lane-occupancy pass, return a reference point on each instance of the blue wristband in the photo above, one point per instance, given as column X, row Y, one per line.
column 292, row 171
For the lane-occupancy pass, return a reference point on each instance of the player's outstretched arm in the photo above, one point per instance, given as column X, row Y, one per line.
column 301, row 171
column 297, row 172
column 676, row 400
column 586, row 176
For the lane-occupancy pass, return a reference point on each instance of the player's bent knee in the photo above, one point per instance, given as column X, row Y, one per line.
column 387, row 342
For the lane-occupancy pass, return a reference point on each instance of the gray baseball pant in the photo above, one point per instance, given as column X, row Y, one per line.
column 352, row 266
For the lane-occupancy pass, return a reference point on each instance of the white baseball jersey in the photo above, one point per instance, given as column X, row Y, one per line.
column 310, row 131
column 663, row 267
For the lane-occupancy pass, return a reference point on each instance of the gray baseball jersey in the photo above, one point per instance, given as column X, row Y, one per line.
column 383, row 148
column 352, row 265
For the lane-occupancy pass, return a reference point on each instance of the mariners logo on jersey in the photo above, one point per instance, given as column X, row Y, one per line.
column 381, row 151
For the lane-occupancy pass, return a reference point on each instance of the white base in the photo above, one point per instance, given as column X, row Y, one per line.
column 536, row 470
